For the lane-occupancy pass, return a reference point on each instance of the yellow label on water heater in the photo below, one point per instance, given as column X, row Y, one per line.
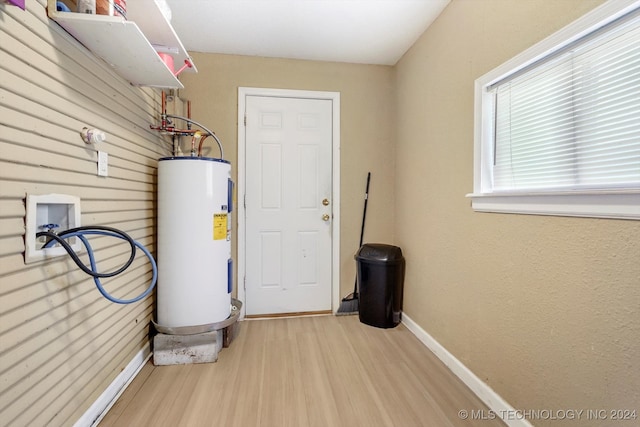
column 220, row 226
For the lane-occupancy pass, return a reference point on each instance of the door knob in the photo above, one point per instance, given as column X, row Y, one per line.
column 325, row 217
column 325, row 202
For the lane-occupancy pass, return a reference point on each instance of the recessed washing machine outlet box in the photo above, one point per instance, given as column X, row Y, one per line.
column 56, row 212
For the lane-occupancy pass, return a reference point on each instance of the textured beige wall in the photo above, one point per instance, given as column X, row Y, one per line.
column 367, row 129
column 544, row 309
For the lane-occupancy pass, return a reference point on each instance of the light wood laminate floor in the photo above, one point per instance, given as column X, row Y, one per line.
column 320, row 371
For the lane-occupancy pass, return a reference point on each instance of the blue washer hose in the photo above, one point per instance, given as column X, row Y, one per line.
column 96, row 276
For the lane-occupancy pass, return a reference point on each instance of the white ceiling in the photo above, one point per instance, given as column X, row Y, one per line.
column 357, row 31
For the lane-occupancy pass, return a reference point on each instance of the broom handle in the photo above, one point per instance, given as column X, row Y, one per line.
column 364, row 216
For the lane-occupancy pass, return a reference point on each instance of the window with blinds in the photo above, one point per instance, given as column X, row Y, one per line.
column 573, row 122
column 565, row 123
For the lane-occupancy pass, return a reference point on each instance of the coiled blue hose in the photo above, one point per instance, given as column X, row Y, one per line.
column 87, row 231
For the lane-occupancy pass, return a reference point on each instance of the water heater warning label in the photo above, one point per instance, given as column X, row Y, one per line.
column 220, row 226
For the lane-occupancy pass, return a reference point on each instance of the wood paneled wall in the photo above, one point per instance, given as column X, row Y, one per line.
column 61, row 342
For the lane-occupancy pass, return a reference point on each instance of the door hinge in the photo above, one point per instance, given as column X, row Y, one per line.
column 245, row 120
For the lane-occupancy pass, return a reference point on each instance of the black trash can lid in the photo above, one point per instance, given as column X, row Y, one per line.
column 379, row 252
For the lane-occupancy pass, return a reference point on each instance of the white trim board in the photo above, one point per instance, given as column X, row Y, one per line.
column 108, row 398
column 485, row 393
column 334, row 97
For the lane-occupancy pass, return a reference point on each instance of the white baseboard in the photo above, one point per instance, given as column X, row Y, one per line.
column 108, row 398
column 485, row 393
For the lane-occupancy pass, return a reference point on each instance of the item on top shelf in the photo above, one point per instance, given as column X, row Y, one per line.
column 87, row 6
column 168, row 60
column 61, row 7
column 112, row 7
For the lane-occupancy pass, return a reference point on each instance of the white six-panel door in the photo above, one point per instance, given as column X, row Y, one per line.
column 288, row 205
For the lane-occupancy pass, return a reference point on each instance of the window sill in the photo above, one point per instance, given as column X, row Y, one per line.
column 617, row 205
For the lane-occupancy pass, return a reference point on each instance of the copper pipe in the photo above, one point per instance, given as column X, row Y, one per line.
column 188, row 114
column 173, row 131
column 210, row 133
column 163, row 111
column 200, row 145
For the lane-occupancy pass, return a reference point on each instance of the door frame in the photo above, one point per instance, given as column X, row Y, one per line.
column 334, row 97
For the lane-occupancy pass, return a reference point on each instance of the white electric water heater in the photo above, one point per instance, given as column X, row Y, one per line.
column 194, row 241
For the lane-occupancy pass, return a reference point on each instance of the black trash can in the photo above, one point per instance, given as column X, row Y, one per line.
column 380, row 270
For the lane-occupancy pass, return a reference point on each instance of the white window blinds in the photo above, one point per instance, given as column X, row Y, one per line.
column 572, row 121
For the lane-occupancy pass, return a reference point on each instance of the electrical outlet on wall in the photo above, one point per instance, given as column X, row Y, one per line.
column 103, row 163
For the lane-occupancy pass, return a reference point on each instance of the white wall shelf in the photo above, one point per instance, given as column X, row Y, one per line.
column 129, row 45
